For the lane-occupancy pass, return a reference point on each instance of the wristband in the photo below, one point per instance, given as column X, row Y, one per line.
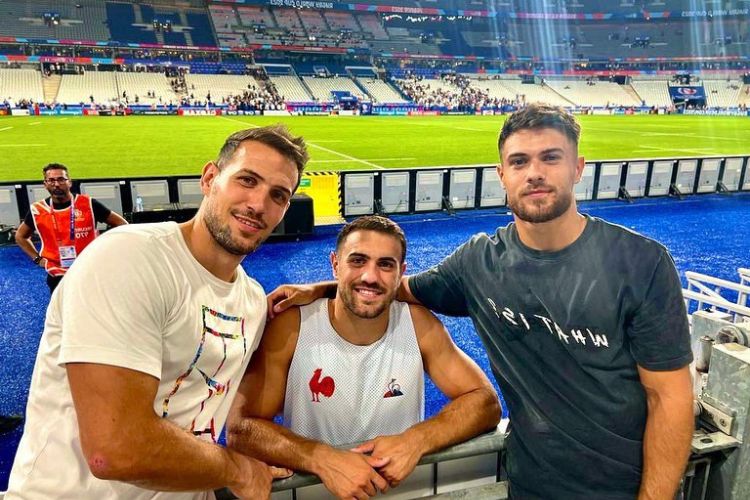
column 38, row 259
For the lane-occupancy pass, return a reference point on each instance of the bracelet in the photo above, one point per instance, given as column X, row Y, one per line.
column 38, row 259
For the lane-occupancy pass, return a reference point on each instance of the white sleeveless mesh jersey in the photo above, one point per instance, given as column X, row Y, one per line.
column 340, row 393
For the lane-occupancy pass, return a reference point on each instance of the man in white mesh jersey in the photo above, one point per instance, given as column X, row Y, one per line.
column 351, row 369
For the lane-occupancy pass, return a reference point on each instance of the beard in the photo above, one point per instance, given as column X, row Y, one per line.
column 222, row 234
column 350, row 300
column 537, row 211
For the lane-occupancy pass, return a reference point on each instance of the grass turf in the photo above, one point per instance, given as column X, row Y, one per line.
column 156, row 145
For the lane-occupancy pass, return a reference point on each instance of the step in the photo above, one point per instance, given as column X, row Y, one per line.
column 51, row 86
column 494, row 491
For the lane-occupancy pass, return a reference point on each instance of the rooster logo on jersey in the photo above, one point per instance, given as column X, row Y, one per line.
column 318, row 386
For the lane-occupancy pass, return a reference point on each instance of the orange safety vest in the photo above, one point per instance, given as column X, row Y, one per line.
column 55, row 227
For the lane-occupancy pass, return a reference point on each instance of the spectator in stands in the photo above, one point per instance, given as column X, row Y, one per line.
column 360, row 339
column 66, row 224
column 159, row 317
column 584, row 324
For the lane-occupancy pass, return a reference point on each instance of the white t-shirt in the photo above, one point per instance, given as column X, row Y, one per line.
column 137, row 299
column 341, row 393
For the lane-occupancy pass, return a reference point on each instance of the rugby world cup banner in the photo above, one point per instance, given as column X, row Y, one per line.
column 687, row 93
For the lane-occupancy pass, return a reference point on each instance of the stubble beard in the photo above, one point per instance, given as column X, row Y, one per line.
column 350, row 302
column 538, row 213
column 222, row 234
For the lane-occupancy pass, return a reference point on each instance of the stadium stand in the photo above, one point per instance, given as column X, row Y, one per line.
column 77, row 89
column 528, row 93
column 381, row 92
column 251, row 16
column 371, row 23
column 342, row 21
column 142, row 23
column 653, row 92
column 494, row 88
column 126, row 24
column 722, row 93
column 78, row 20
column 142, row 84
column 291, row 88
column 321, row 88
column 592, row 93
column 219, row 86
column 313, row 21
column 21, row 84
column 289, row 20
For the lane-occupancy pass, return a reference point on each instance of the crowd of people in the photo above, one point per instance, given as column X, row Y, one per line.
column 458, row 95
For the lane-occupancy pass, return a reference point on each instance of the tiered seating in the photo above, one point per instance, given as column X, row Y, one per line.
column 380, row 91
column 76, row 89
column 312, row 21
column 529, row 93
column 495, row 89
column 405, row 46
column 288, row 19
column 201, row 33
column 722, row 93
column 371, row 24
column 139, row 84
column 321, row 88
column 220, row 86
column 341, row 21
column 19, row 18
column 291, row 89
column 18, row 84
column 250, row 16
column 654, row 92
column 121, row 20
column 223, row 17
column 598, row 93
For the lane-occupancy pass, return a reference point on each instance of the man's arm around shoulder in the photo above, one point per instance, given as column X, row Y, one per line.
column 474, row 405
column 251, row 430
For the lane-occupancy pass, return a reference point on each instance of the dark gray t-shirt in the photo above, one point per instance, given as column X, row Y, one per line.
column 564, row 332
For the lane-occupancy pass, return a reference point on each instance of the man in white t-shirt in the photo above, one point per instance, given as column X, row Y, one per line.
column 146, row 340
column 351, row 369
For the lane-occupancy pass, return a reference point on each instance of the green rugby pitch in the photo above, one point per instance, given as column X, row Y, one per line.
column 170, row 145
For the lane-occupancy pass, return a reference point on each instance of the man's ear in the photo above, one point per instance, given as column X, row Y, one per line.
column 500, row 172
column 208, row 176
column 579, row 168
column 334, row 264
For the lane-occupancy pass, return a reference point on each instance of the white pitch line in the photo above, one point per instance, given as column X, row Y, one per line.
column 374, row 165
column 5, row 128
column 472, row 129
column 315, row 146
column 34, row 123
column 19, row 145
column 368, row 159
column 654, row 148
column 251, row 125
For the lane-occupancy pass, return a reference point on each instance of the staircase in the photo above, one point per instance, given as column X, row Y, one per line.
column 51, row 85
column 744, row 95
column 632, row 93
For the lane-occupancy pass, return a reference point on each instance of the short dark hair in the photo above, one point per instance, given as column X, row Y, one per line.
column 53, row 166
column 276, row 136
column 538, row 116
column 373, row 223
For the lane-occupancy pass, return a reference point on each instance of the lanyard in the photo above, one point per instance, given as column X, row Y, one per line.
column 72, row 218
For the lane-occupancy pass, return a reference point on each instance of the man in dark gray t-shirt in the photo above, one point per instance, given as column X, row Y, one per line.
column 584, row 325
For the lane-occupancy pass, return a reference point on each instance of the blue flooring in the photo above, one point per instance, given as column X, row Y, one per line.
column 708, row 234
